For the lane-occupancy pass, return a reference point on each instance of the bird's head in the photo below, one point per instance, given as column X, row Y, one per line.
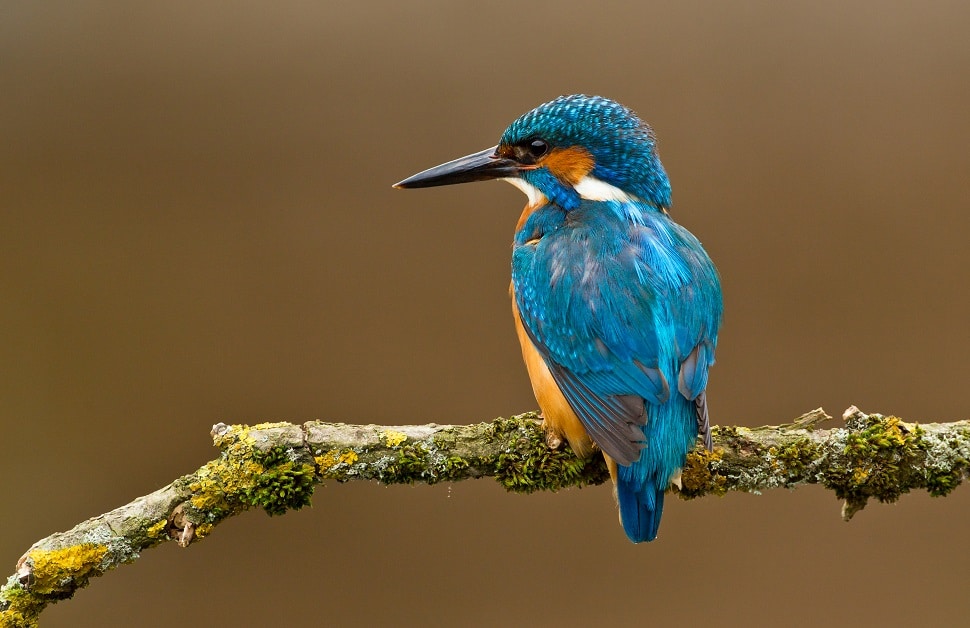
column 565, row 150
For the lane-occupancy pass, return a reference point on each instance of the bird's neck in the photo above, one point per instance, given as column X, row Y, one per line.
column 539, row 220
column 543, row 189
column 542, row 186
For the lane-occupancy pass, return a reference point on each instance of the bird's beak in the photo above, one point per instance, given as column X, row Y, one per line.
column 481, row 166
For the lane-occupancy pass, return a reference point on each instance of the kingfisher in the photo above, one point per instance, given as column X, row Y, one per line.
column 616, row 306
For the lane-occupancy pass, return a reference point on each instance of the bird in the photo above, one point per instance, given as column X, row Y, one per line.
column 617, row 307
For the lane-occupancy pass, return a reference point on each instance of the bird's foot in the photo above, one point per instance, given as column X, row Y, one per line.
column 553, row 437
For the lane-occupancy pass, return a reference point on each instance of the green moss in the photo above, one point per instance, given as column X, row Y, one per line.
column 525, row 465
column 502, row 425
column 529, row 465
column 549, row 471
column 940, row 483
column 880, row 460
column 455, row 465
column 724, row 432
column 796, row 456
column 699, row 477
column 422, row 462
column 283, row 484
column 22, row 608
column 245, row 477
column 409, row 465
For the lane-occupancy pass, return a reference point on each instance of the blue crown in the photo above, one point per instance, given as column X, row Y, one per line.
column 623, row 147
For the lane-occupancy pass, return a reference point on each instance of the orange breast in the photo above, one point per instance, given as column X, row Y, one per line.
column 559, row 417
column 528, row 211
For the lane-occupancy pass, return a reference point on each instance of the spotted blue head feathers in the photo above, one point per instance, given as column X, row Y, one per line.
column 591, row 132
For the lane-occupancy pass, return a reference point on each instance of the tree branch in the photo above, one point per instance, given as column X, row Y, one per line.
column 276, row 466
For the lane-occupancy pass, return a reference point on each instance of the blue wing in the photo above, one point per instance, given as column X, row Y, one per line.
column 622, row 311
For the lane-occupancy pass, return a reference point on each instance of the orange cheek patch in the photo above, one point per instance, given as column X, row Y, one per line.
column 568, row 164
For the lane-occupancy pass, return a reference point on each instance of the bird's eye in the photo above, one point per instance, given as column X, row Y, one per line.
column 538, row 148
column 528, row 151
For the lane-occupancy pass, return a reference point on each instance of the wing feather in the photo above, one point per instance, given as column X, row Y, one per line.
column 611, row 314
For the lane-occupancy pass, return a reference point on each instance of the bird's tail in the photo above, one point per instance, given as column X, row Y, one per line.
column 641, row 506
column 670, row 433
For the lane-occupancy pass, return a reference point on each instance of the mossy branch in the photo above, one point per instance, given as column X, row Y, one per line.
column 276, row 466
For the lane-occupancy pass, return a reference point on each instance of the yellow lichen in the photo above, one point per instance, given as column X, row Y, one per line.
column 392, row 438
column 221, row 478
column 240, row 437
column 203, row 530
column 328, row 460
column 234, row 435
column 269, row 426
column 697, row 477
column 331, row 464
column 53, row 569
column 158, row 529
column 24, row 608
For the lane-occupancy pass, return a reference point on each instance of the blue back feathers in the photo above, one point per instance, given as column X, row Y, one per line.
column 623, row 304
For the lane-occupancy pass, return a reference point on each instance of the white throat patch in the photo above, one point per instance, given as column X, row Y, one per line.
column 589, row 187
column 536, row 197
column 593, row 189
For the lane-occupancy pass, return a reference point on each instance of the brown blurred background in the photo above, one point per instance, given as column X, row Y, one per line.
column 197, row 225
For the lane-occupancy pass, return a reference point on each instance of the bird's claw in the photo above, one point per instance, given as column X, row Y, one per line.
column 552, row 437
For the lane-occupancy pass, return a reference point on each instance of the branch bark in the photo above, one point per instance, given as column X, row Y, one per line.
column 275, row 466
